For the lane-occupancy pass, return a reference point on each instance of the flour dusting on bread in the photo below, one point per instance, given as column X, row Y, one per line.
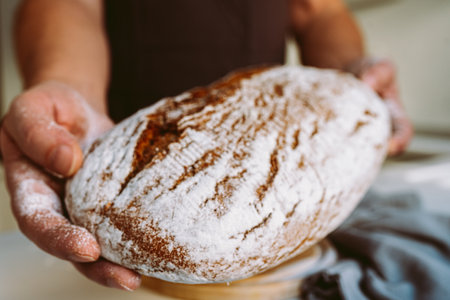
column 224, row 182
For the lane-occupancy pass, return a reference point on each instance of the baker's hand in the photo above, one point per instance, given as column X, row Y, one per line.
column 40, row 142
column 379, row 74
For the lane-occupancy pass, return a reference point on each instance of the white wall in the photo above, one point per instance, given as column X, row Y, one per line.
column 10, row 85
column 416, row 35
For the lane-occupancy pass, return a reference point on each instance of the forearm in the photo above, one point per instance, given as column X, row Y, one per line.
column 65, row 41
column 326, row 33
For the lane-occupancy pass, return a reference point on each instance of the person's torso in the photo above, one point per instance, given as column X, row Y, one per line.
column 160, row 48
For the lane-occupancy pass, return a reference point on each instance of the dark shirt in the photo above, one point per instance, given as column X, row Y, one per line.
column 161, row 48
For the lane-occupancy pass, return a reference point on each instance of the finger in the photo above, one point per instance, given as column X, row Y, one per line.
column 402, row 132
column 379, row 75
column 110, row 274
column 32, row 124
column 38, row 209
column 402, row 129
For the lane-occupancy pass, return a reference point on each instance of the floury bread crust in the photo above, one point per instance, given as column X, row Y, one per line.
column 224, row 182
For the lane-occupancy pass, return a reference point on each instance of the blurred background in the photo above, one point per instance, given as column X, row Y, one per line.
column 413, row 33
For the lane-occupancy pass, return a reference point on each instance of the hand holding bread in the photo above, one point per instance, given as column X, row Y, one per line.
column 41, row 140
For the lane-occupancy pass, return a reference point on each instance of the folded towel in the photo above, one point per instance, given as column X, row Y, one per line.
column 390, row 248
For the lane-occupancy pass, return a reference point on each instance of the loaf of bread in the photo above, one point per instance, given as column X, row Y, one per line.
column 223, row 182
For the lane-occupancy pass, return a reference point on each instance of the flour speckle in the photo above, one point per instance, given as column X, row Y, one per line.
column 33, row 196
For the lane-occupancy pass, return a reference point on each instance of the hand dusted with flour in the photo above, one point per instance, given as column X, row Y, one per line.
column 224, row 182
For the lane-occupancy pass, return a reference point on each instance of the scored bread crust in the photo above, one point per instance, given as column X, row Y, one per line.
column 223, row 182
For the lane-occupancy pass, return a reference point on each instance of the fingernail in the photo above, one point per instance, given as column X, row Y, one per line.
column 124, row 287
column 114, row 284
column 62, row 160
column 81, row 258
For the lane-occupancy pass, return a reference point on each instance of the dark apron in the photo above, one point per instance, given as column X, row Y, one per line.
column 161, row 48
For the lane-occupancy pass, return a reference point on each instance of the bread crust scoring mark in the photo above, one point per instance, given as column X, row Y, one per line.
column 161, row 130
column 152, row 144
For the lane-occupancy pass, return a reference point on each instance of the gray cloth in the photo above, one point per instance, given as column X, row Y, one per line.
column 390, row 248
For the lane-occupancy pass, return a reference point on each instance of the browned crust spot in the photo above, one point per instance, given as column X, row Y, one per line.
column 308, row 105
column 329, row 115
column 259, row 225
column 307, row 228
column 359, row 125
column 208, row 159
column 93, row 146
column 315, row 86
column 238, row 121
column 153, row 143
column 301, row 163
column 370, row 113
column 237, row 77
column 295, row 139
column 259, row 101
column 315, row 129
column 135, row 130
column 290, row 213
column 223, row 119
column 223, row 191
column 278, row 89
column 106, row 176
column 274, row 166
column 153, row 246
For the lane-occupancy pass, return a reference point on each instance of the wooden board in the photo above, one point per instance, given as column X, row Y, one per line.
column 282, row 282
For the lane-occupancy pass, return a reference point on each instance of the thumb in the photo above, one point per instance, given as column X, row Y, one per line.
column 31, row 125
